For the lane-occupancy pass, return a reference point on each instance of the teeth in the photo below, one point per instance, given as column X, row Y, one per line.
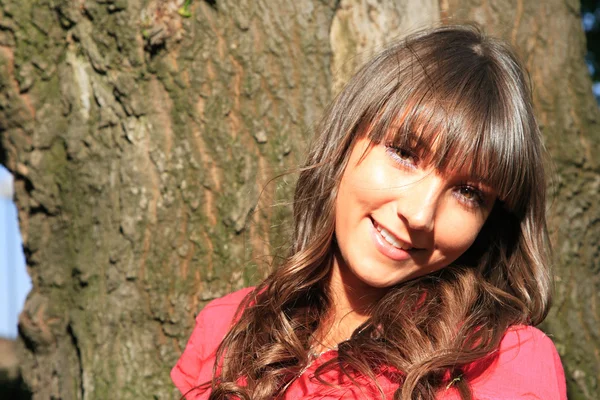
column 391, row 239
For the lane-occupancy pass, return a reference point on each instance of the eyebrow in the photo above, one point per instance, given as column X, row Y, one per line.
column 409, row 137
column 413, row 140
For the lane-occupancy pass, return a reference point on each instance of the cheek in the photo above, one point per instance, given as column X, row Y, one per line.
column 457, row 233
column 367, row 185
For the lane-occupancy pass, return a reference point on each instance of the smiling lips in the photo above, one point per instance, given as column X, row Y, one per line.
column 389, row 245
column 391, row 239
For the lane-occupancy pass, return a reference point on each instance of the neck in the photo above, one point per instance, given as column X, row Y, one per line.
column 352, row 302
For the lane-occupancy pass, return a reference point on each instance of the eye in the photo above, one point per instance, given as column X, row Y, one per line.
column 404, row 156
column 470, row 195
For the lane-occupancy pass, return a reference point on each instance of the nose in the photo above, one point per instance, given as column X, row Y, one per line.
column 418, row 204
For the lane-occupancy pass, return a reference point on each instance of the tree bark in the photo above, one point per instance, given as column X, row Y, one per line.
column 142, row 134
column 361, row 28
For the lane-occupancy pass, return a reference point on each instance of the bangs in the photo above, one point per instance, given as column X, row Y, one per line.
column 462, row 123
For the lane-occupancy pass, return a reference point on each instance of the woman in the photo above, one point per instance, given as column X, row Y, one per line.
column 419, row 260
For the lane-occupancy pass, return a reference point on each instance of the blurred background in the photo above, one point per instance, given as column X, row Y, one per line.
column 590, row 20
column 14, row 286
column 136, row 137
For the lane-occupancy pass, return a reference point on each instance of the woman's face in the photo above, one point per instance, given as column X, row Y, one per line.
column 398, row 218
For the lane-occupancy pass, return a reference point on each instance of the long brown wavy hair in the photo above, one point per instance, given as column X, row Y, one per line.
column 469, row 95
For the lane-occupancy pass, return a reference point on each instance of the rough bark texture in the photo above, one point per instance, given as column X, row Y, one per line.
column 141, row 134
column 550, row 39
column 360, row 28
column 141, row 139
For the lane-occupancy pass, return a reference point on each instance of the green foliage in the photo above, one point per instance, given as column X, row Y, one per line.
column 184, row 10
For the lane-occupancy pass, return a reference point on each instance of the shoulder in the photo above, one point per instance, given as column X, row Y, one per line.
column 526, row 365
column 212, row 324
column 217, row 318
column 532, row 349
column 524, row 332
column 224, row 308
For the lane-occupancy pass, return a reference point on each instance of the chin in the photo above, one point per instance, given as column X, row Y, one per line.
column 383, row 281
column 389, row 280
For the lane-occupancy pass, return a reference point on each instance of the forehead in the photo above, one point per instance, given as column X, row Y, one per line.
column 452, row 141
column 428, row 155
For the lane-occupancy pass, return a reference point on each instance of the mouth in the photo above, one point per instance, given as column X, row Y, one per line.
column 392, row 239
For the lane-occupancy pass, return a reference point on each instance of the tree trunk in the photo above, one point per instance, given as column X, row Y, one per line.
column 142, row 134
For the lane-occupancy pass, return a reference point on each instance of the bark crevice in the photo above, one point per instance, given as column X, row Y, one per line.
column 80, row 371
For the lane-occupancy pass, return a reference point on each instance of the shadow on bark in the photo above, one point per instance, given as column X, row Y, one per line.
column 14, row 389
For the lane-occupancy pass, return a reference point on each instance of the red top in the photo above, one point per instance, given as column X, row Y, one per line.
column 527, row 366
